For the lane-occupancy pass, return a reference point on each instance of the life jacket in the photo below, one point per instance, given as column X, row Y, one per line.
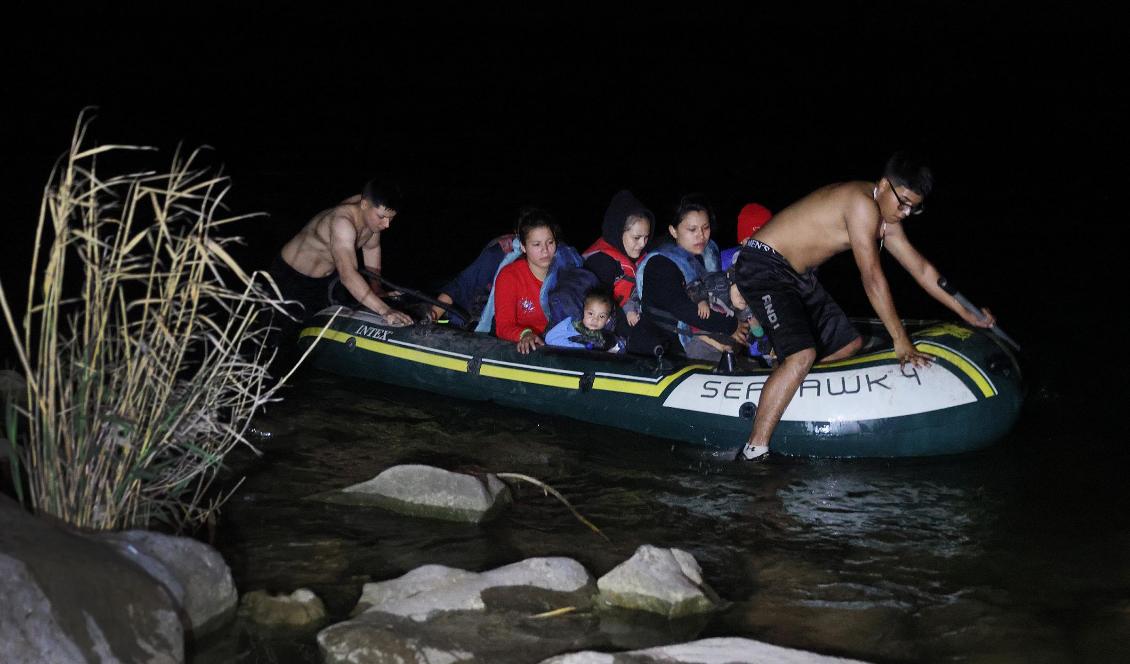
column 691, row 269
column 623, row 285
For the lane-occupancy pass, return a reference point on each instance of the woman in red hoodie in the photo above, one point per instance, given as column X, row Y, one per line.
column 518, row 314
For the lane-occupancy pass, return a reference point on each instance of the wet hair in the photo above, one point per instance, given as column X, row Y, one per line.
column 599, row 294
column 531, row 218
column 382, row 193
column 692, row 203
column 906, row 169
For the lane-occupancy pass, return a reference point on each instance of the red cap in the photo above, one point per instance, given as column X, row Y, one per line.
column 752, row 217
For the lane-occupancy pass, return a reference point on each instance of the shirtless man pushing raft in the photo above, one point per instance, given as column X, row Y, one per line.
column 774, row 272
column 328, row 245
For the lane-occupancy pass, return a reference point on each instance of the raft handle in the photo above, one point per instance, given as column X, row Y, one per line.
column 473, row 365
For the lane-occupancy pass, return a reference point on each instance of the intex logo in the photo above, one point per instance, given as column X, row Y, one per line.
column 372, row 332
column 768, row 302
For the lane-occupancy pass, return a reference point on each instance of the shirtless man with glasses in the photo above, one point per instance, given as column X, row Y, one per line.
column 775, row 274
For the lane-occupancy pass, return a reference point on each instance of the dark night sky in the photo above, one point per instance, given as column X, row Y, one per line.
column 1022, row 113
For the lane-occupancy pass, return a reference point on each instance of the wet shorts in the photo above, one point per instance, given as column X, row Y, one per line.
column 795, row 310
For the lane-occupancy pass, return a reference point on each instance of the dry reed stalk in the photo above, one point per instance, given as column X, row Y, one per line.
column 139, row 383
column 556, row 494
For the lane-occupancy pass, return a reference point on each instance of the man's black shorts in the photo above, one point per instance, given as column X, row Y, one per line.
column 795, row 310
column 311, row 292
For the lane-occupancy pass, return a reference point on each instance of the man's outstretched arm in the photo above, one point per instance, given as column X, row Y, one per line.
column 863, row 225
column 927, row 275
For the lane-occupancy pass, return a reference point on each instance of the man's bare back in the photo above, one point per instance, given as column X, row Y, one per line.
column 310, row 251
column 813, row 229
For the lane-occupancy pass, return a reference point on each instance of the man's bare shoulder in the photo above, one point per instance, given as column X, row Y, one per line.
column 827, row 204
column 858, row 203
column 848, row 194
column 330, row 227
column 339, row 219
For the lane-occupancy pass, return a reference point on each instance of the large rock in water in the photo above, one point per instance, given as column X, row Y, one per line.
column 430, row 492
column 299, row 610
column 706, row 651
column 430, row 589
column 193, row 572
column 440, row 614
column 69, row 598
column 663, row 581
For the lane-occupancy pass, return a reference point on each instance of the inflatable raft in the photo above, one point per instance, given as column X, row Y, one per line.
column 862, row 407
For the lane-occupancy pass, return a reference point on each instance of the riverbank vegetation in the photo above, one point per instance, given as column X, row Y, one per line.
column 144, row 344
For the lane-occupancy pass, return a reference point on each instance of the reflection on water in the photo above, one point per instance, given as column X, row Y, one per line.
column 924, row 516
column 1013, row 555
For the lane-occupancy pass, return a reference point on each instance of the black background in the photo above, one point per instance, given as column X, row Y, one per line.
column 477, row 113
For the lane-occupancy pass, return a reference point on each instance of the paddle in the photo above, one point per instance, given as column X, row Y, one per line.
column 971, row 308
column 450, row 308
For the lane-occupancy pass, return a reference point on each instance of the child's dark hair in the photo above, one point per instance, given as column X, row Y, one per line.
column 599, row 294
column 531, row 218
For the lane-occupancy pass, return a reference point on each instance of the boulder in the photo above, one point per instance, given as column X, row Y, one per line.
column 298, row 610
column 663, row 581
column 194, row 574
column 71, row 598
column 429, row 581
column 429, row 492
column 533, row 584
column 498, row 637
column 706, row 651
column 440, row 614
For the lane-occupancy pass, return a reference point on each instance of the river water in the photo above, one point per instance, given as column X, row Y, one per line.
column 1018, row 554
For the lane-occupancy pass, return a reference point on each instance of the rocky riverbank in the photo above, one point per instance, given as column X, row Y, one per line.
column 131, row 596
column 143, row 596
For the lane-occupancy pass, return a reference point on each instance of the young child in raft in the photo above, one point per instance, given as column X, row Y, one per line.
column 717, row 293
column 759, row 345
column 592, row 331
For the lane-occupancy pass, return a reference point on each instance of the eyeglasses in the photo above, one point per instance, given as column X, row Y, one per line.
column 904, row 205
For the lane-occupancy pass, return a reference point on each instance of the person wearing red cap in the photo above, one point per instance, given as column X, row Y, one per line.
column 752, row 217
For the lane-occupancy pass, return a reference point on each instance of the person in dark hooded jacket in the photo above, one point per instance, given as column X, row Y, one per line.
column 613, row 258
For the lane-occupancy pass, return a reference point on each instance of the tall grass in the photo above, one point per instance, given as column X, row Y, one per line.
column 143, row 343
